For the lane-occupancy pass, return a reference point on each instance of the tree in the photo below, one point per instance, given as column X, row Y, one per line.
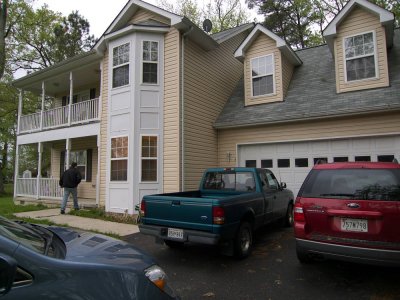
column 3, row 35
column 224, row 14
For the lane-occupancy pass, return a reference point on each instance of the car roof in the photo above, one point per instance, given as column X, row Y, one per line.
column 357, row 165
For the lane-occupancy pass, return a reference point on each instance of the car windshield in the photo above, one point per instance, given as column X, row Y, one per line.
column 359, row 184
column 23, row 235
column 230, row 181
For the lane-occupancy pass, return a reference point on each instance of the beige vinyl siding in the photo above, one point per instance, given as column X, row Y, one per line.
column 322, row 129
column 144, row 15
column 171, row 125
column 358, row 22
column 287, row 73
column 85, row 189
column 210, row 78
column 263, row 46
column 103, row 130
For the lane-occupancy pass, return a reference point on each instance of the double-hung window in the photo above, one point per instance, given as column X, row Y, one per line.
column 149, row 158
column 150, row 62
column 360, row 56
column 119, row 158
column 80, row 157
column 262, row 75
column 120, row 65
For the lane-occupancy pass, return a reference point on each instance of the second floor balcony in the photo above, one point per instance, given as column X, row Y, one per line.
column 68, row 115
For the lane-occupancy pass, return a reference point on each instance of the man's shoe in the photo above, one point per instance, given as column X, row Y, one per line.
column 62, row 212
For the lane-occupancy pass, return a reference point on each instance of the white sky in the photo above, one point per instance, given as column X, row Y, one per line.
column 100, row 13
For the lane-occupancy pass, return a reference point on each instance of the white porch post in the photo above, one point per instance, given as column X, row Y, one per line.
column 98, row 172
column 71, row 96
column 16, row 168
column 42, row 111
column 40, row 150
column 21, row 95
column 67, row 152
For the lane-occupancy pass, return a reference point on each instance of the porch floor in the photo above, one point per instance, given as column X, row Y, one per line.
column 83, row 202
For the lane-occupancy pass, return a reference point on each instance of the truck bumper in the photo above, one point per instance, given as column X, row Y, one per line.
column 161, row 232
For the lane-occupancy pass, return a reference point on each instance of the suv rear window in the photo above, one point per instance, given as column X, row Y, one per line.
column 360, row 184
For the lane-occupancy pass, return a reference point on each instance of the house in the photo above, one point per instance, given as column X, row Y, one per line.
column 158, row 100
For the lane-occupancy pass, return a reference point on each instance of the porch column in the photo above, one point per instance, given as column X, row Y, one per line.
column 67, row 152
column 42, row 111
column 16, row 168
column 40, row 150
column 71, row 96
column 21, row 95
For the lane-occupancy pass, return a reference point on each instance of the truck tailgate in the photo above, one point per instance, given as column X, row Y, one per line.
column 186, row 213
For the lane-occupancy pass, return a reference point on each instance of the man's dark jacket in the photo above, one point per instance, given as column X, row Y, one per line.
column 70, row 178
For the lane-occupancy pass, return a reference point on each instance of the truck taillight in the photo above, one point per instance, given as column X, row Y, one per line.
column 142, row 208
column 298, row 212
column 218, row 215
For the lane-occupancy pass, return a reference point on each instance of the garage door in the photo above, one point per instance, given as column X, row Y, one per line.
column 292, row 161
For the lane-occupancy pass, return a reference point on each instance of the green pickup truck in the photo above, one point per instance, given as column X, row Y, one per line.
column 230, row 204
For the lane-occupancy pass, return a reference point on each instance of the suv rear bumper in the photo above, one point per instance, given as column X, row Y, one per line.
column 161, row 232
column 350, row 253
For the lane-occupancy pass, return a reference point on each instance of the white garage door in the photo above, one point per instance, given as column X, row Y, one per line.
column 291, row 162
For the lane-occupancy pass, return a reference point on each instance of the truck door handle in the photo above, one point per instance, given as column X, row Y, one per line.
column 176, row 202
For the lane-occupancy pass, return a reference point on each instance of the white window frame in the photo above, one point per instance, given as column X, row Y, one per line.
column 120, row 65
column 266, row 74
column 149, row 158
column 85, row 165
column 360, row 56
column 119, row 158
column 150, row 61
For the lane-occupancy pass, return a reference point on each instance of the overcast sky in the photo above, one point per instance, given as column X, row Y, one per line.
column 100, row 13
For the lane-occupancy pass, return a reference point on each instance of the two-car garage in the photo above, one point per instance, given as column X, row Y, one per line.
column 291, row 161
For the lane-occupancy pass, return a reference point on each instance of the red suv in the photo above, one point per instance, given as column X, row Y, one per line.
column 349, row 211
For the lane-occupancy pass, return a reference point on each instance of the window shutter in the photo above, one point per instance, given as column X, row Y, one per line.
column 62, row 162
column 75, row 99
column 89, row 164
column 64, row 101
column 92, row 93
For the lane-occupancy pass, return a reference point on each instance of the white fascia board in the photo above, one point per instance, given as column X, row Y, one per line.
column 280, row 44
column 59, row 134
column 385, row 17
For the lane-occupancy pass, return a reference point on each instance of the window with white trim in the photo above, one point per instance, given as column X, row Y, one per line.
column 80, row 157
column 360, row 56
column 120, row 65
column 119, row 159
column 149, row 158
column 262, row 75
column 150, row 62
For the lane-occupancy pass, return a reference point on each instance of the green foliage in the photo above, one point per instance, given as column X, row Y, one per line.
column 100, row 213
column 8, row 208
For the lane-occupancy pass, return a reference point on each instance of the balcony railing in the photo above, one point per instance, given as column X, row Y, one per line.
column 48, row 188
column 81, row 112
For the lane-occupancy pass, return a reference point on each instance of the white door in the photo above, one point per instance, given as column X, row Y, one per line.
column 291, row 162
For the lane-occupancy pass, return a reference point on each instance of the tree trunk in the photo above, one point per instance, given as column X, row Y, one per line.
column 3, row 17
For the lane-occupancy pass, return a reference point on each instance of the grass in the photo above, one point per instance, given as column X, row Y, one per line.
column 99, row 213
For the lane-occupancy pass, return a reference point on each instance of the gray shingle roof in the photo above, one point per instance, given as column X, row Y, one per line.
column 223, row 35
column 312, row 94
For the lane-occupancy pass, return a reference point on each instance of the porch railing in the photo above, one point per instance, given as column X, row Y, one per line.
column 81, row 112
column 48, row 188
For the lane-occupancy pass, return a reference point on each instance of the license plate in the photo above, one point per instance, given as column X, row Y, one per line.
column 357, row 225
column 175, row 233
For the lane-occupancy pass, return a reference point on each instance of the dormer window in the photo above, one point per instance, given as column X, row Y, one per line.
column 360, row 56
column 262, row 75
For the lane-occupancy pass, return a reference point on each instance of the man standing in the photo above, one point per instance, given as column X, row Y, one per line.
column 69, row 181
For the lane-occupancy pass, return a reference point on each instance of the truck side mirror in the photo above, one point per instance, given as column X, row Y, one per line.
column 283, row 185
column 8, row 269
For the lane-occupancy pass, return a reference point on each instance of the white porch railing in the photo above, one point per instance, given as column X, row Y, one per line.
column 81, row 112
column 48, row 188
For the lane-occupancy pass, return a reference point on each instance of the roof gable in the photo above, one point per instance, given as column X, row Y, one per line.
column 280, row 44
column 386, row 18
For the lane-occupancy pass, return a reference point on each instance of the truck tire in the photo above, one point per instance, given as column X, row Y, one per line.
column 173, row 244
column 243, row 242
column 288, row 220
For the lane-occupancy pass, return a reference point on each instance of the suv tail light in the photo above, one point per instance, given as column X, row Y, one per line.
column 142, row 208
column 298, row 212
column 218, row 215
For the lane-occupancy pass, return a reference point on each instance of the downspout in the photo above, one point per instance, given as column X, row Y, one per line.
column 183, row 108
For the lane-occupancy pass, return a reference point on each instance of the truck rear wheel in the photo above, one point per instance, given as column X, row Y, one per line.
column 243, row 242
column 288, row 221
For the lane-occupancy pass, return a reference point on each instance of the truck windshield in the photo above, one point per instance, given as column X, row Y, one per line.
column 358, row 184
column 230, row 181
